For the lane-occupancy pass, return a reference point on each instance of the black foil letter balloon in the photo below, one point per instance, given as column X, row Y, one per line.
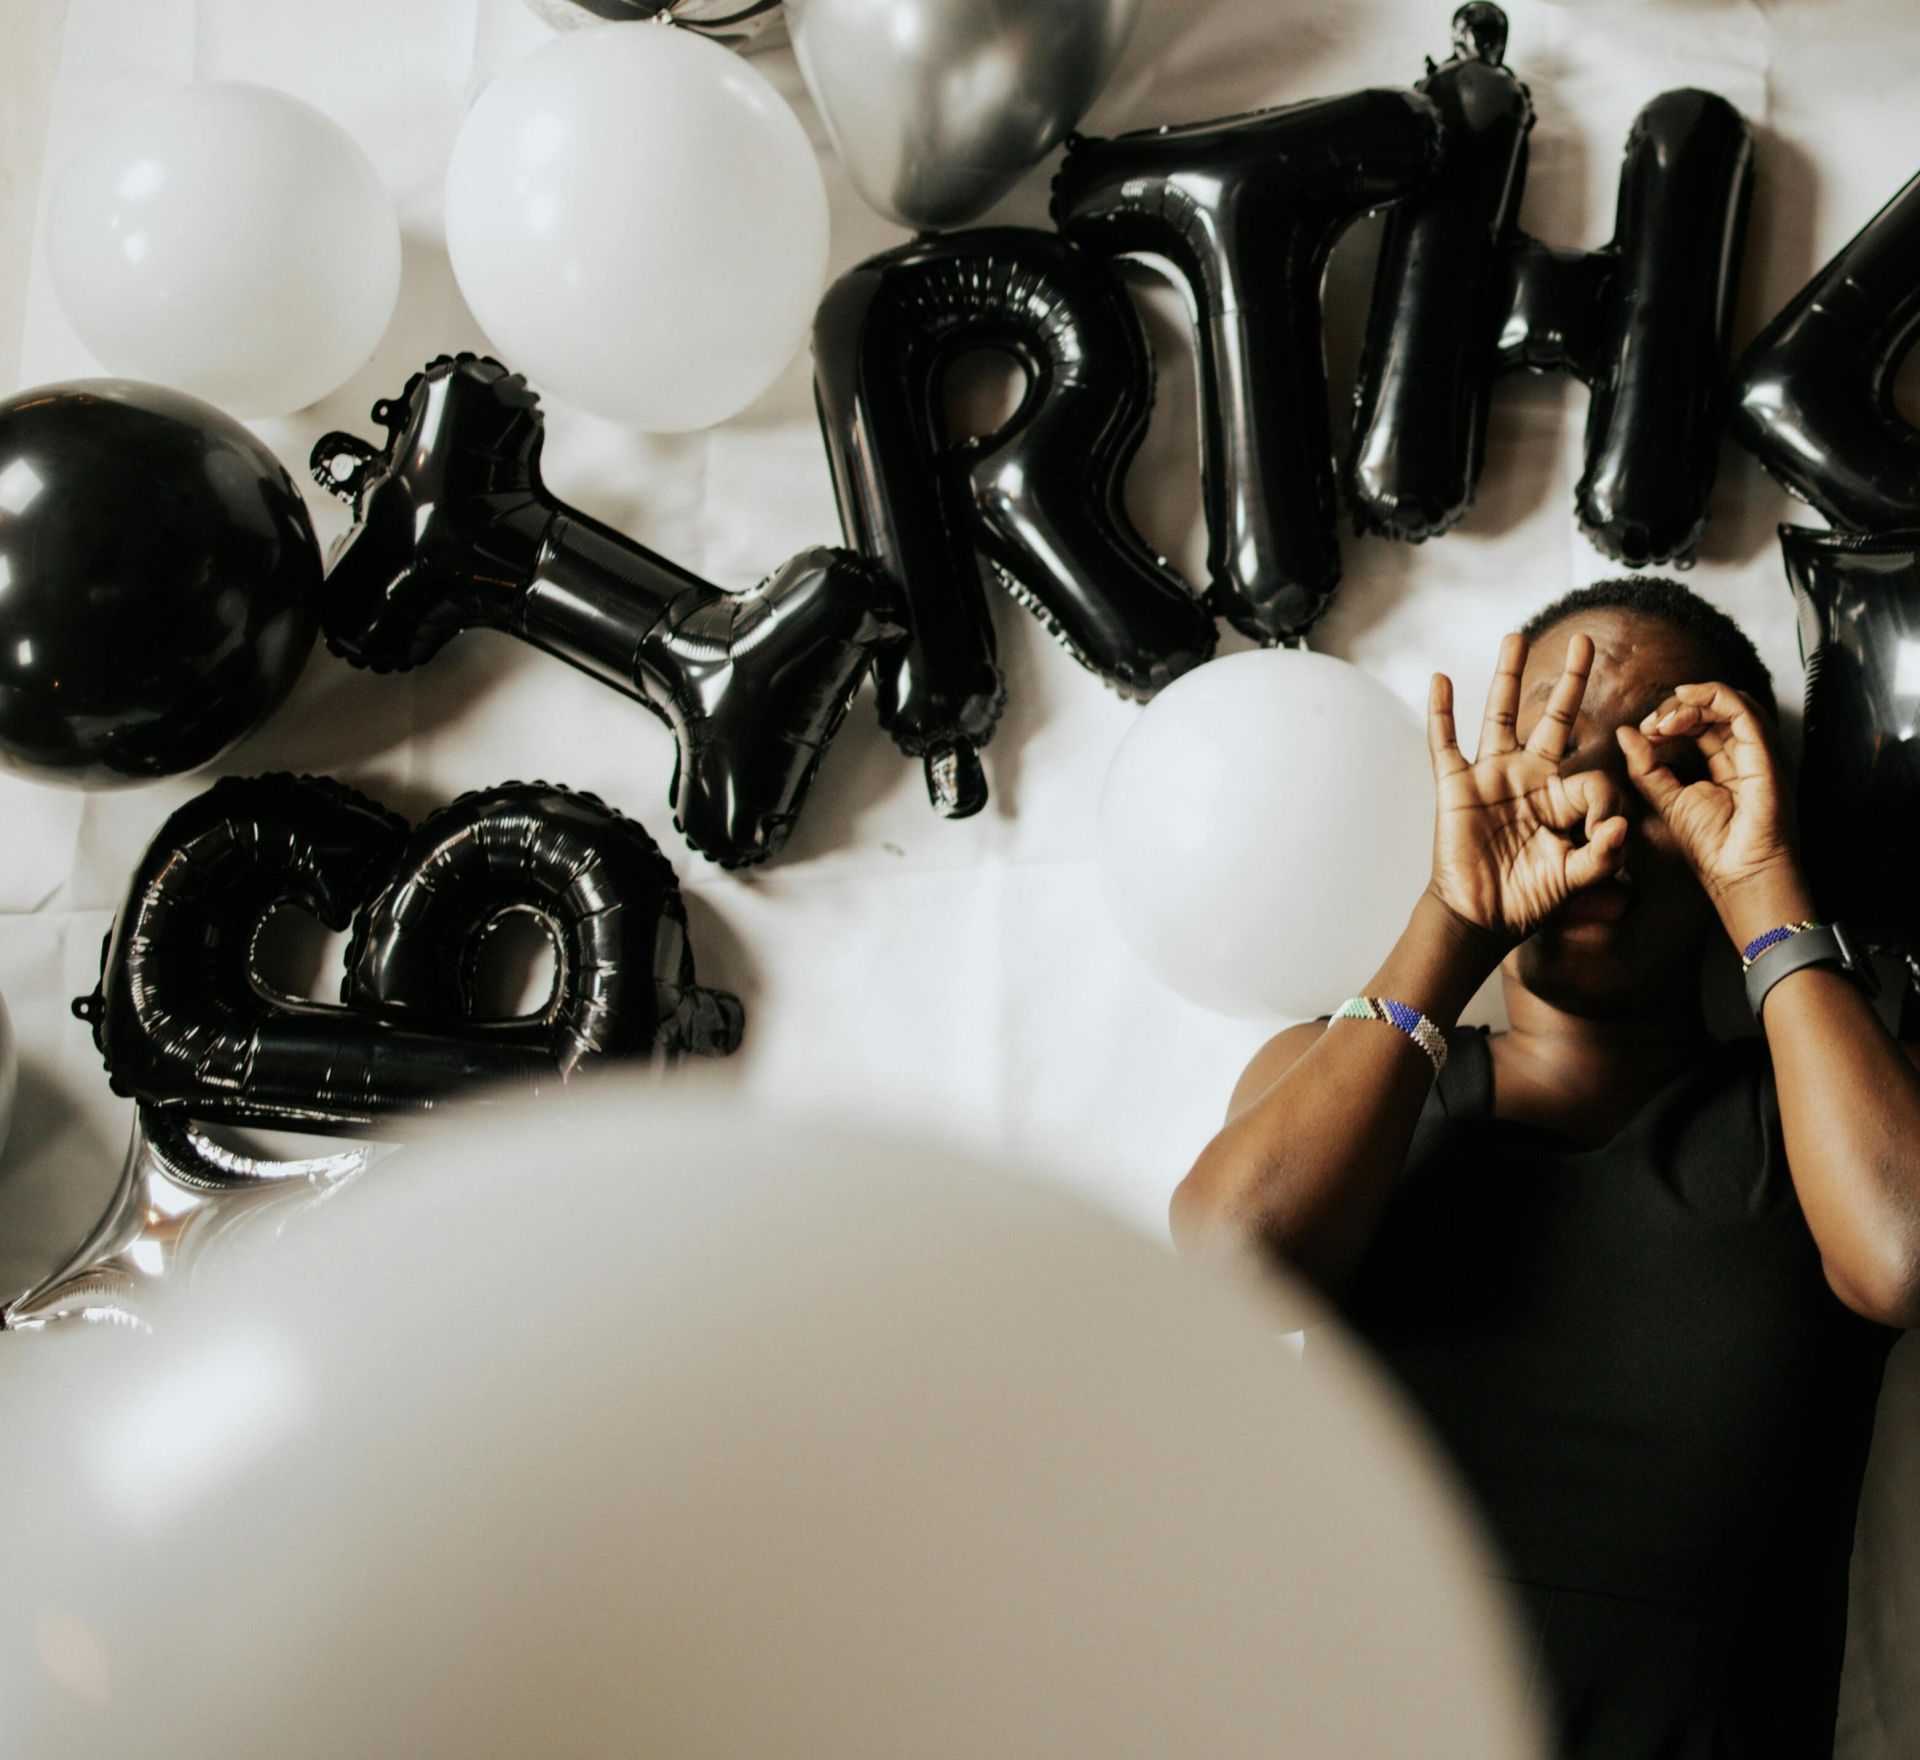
column 1038, row 501
column 597, row 883
column 1461, row 295
column 188, row 1024
column 1427, row 366
column 159, row 582
column 454, row 529
column 1246, row 211
column 1813, row 395
column 1859, row 605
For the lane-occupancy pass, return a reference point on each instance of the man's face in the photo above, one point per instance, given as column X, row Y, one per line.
column 1635, row 941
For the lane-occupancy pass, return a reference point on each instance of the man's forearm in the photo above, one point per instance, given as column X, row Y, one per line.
column 1306, row 1166
column 1849, row 1114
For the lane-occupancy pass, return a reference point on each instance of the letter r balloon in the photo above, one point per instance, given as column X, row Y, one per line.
column 1035, row 506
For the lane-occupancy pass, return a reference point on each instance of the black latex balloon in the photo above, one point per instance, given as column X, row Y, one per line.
column 1038, row 501
column 1813, row 395
column 1462, row 295
column 159, row 582
column 1427, row 365
column 1246, row 211
column 1859, row 605
column 188, row 1023
column 454, row 530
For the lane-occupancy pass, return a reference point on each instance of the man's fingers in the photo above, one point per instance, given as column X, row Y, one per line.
column 1442, row 745
column 1593, row 796
column 1721, row 723
column 1652, row 778
column 1600, row 855
column 1553, row 732
column 1503, row 698
column 1694, row 706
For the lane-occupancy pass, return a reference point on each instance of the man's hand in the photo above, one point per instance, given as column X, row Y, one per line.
column 1513, row 837
column 1734, row 823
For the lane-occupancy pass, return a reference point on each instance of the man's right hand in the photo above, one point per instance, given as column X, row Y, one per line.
column 1514, row 837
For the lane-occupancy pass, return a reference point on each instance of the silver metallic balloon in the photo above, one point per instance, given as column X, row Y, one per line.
column 179, row 1192
column 737, row 23
column 939, row 106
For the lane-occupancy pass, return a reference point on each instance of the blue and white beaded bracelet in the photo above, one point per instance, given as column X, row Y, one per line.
column 1772, row 938
column 1782, row 951
column 1410, row 1021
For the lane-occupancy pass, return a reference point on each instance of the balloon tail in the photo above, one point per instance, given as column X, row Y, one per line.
column 956, row 782
column 708, row 1022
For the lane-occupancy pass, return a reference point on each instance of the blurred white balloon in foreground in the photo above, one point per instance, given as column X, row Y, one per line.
column 230, row 241
column 1265, row 830
column 656, row 1429
column 637, row 219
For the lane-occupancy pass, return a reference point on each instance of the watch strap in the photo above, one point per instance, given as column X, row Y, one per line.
column 1816, row 944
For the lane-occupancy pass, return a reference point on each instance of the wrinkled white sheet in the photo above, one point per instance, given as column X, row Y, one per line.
column 961, row 976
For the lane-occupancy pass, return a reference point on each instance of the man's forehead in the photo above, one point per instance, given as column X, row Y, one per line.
column 1601, row 688
column 1640, row 657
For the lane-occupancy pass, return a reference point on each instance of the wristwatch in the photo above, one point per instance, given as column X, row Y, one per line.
column 1816, row 944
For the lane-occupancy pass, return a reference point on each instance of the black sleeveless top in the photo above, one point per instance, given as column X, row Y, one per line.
column 1634, row 1358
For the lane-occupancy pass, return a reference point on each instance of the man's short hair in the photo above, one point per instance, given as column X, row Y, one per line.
column 1679, row 607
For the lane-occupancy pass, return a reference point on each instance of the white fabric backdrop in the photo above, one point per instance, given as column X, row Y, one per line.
column 961, row 976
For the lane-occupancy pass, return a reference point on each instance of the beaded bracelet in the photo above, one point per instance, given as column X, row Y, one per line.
column 1781, row 952
column 1772, row 938
column 1410, row 1021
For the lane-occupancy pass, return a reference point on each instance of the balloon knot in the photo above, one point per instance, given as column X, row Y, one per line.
column 956, row 783
column 1480, row 32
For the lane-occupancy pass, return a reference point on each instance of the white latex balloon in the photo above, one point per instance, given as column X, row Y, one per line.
column 669, row 1430
column 1265, row 830
column 230, row 241
column 637, row 219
